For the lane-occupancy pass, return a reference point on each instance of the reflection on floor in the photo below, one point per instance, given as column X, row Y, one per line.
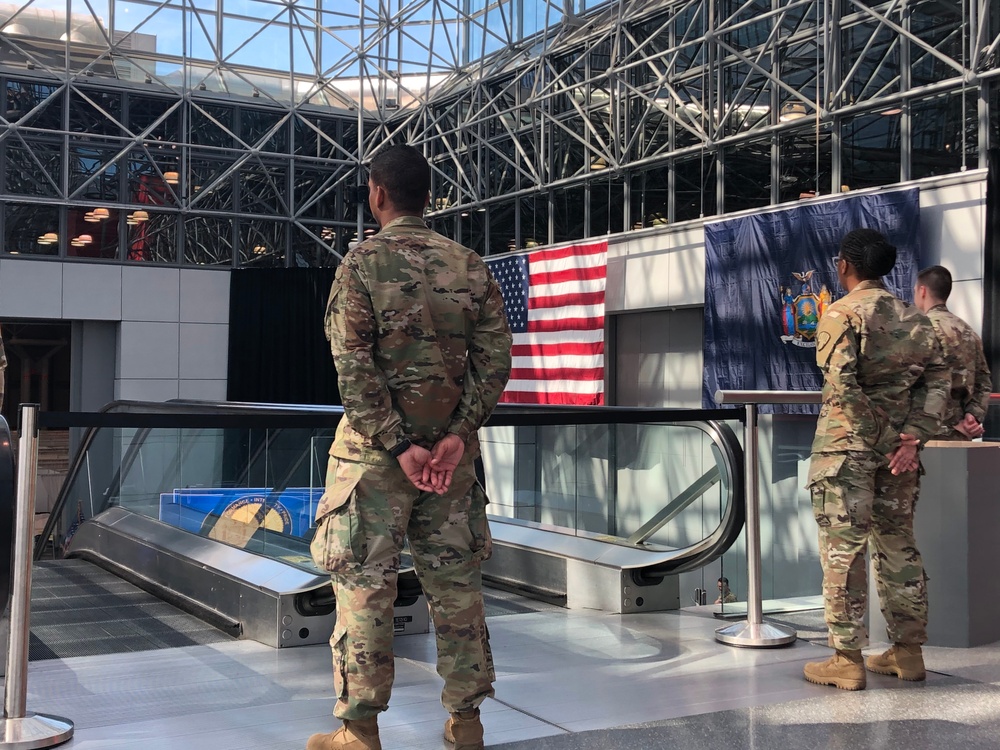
column 566, row 679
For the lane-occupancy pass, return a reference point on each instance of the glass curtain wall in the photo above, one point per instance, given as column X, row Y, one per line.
column 642, row 114
column 234, row 132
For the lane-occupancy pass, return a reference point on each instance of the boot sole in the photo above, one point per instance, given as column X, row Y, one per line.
column 476, row 746
column 838, row 683
column 890, row 672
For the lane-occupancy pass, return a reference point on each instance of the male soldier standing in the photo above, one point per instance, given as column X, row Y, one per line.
column 963, row 355
column 422, row 350
column 884, row 391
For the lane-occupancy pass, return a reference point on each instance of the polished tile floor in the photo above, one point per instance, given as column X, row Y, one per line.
column 566, row 679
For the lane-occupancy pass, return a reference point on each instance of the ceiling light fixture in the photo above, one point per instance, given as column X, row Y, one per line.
column 791, row 111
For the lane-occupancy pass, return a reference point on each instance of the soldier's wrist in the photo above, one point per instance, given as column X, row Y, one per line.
column 400, row 448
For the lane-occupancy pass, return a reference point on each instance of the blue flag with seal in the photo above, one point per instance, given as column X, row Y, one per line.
column 770, row 277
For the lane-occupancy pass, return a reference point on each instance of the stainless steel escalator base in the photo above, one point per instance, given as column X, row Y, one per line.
column 577, row 572
column 248, row 592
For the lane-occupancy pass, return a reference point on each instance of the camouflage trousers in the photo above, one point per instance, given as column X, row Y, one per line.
column 374, row 508
column 855, row 499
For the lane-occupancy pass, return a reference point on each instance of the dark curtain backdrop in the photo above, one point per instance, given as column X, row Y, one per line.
column 991, row 285
column 277, row 350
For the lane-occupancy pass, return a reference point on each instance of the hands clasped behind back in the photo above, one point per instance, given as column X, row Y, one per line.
column 432, row 470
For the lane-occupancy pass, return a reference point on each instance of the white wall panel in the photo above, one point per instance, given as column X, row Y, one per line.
column 148, row 350
column 204, row 296
column 150, row 294
column 206, row 390
column 204, row 351
column 92, row 291
column 952, row 228
column 145, row 390
column 30, row 289
column 966, row 301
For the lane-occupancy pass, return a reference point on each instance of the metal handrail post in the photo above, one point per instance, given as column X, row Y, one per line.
column 753, row 632
column 20, row 729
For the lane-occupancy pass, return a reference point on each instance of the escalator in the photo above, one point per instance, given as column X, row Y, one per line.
column 210, row 506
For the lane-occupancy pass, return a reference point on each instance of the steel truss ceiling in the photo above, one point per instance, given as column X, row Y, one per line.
column 513, row 100
column 643, row 83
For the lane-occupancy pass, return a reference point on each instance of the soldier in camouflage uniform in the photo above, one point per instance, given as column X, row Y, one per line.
column 884, row 391
column 422, row 349
column 969, row 396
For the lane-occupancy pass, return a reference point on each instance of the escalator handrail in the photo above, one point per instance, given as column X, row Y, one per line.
column 182, row 413
column 651, row 563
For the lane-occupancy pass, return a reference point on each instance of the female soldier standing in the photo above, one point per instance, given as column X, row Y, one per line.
column 884, row 391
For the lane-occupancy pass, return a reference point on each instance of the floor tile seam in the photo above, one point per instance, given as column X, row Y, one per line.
column 244, row 648
column 99, row 688
column 188, row 728
column 531, row 715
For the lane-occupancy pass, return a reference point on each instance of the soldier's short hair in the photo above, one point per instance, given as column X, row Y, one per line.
column 937, row 279
column 869, row 252
column 405, row 175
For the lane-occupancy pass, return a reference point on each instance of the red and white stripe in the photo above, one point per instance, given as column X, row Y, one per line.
column 560, row 359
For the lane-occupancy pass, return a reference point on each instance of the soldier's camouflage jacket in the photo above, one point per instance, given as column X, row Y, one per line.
column 420, row 341
column 883, row 374
column 964, row 358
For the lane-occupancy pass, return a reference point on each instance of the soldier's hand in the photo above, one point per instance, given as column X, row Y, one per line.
column 413, row 462
column 970, row 427
column 904, row 458
column 445, row 455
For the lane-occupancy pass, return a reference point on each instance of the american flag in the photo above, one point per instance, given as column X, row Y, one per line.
column 555, row 306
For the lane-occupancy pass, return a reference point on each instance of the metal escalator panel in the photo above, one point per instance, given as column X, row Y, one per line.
column 607, row 516
column 212, row 508
column 232, row 488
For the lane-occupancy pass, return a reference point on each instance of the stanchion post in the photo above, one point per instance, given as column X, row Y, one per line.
column 22, row 730
column 754, row 632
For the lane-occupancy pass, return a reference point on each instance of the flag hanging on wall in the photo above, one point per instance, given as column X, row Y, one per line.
column 769, row 277
column 555, row 306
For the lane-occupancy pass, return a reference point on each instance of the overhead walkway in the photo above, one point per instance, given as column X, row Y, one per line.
column 210, row 506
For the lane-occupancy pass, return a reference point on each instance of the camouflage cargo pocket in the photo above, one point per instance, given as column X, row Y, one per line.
column 823, row 491
column 842, row 489
column 338, row 546
column 482, row 540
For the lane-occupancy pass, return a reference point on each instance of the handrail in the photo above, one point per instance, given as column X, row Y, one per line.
column 787, row 397
column 205, row 414
column 768, row 397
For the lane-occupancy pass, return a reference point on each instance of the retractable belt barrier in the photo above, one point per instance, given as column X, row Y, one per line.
column 21, row 729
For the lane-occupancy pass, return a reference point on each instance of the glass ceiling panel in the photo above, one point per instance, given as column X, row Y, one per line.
column 237, row 46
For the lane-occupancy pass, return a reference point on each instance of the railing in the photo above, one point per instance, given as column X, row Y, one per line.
column 162, row 460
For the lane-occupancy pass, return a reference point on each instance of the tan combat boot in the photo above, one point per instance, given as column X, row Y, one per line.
column 845, row 670
column 354, row 735
column 465, row 730
column 904, row 661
